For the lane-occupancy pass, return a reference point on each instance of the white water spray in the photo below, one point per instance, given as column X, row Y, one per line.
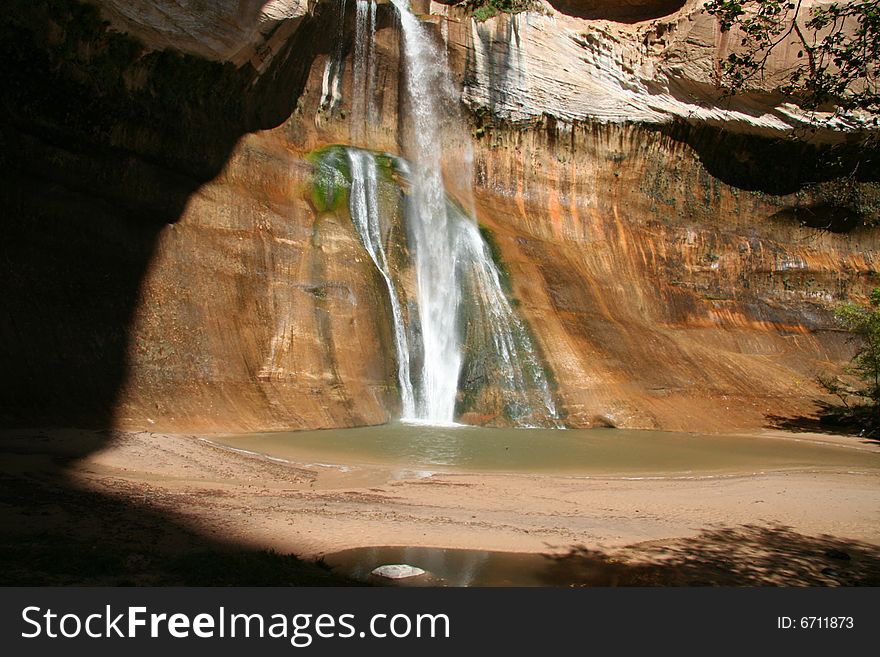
column 433, row 241
column 516, row 371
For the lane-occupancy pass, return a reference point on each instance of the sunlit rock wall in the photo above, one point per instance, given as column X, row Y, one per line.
column 654, row 234
column 523, row 66
column 662, row 296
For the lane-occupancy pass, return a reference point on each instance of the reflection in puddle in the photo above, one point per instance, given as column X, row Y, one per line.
column 748, row 555
column 445, row 567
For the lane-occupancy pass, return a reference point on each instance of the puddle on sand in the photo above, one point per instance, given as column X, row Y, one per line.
column 451, row 567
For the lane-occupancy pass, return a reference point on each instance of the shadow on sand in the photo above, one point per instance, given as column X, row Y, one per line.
column 102, row 144
column 831, row 419
column 742, row 556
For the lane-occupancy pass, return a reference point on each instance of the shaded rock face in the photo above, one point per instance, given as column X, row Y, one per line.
column 167, row 268
column 237, row 31
column 137, row 294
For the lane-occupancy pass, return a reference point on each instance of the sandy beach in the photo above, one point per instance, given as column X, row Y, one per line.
column 256, row 502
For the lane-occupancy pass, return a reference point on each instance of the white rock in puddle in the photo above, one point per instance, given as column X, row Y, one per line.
column 397, row 571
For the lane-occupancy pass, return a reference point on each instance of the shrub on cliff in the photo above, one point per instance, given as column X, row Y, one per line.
column 861, row 400
column 483, row 10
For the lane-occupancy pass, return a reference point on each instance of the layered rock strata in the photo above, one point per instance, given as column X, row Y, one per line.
column 675, row 253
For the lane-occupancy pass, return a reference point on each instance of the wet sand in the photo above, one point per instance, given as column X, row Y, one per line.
column 316, row 510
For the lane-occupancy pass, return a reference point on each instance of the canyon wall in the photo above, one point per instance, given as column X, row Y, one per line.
column 675, row 253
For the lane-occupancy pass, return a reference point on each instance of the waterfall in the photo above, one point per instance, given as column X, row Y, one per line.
column 362, row 39
column 460, row 327
column 497, row 357
column 515, row 372
column 364, row 208
column 428, row 95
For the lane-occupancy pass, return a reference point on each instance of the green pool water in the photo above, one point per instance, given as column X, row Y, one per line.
column 575, row 452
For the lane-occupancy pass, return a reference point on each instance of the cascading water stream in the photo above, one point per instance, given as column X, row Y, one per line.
column 364, row 208
column 433, row 241
column 362, row 39
column 518, row 373
column 497, row 353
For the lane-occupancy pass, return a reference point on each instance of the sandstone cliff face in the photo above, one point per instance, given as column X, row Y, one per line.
column 665, row 297
column 663, row 264
column 523, row 66
column 237, row 31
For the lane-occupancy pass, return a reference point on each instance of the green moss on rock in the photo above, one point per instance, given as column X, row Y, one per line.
column 331, row 179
